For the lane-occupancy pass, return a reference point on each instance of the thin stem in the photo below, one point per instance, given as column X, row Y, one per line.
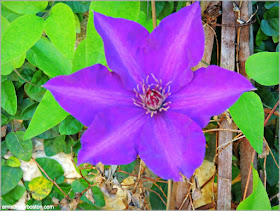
column 204, row 62
column 154, row 15
column 148, row 178
column 271, row 154
column 271, row 112
column 155, row 193
column 249, row 174
column 264, row 169
column 54, row 182
column 83, row 176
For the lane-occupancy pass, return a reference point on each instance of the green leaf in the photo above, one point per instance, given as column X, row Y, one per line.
column 156, row 202
column 69, row 142
column 21, row 35
column 8, row 67
column 40, row 188
column 48, row 58
column 21, row 106
column 270, row 27
column 4, row 25
column 275, row 207
column 36, row 93
column 60, row 27
column 32, row 204
column 26, row 7
column 117, row 9
column 51, row 167
column 80, row 59
column 77, row 23
column 127, row 168
column 270, row 23
column 13, row 162
column 54, row 146
column 271, row 169
column 9, row 178
column 18, row 147
column 47, row 115
column 258, row 200
column 9, row 14
column 79, row 186
column 4, row 148
column 260, row 37
column 8, row 97
column 248, row 114
column 4, row 119
column 143, row 20
column 270, row 4
column 14, row 195
column 264, row 68
column 78, row 6
column 70, row 126
column 28, row 111
column 271, row 13
column 98, row 196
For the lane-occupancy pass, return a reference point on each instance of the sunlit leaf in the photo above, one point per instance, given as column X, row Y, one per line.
column 60, row 27
column 264, row 68
column 258, row 200
column 13, row 162
column 21, row 35
column 26, row 7
column 49, row 59
column 47, row 115
column 248, row 114
column 40, row 187
column 8, row 97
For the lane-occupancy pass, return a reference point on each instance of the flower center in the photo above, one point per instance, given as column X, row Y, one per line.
column 152, row 97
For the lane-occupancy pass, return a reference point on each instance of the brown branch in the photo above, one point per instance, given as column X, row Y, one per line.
column 271, row 112
column 156, row 194
column 83, row 176
column 154, row 14
column 249, row 174
column 148, row 178
column 169, row 194
column 268, row 110
column 221, row 129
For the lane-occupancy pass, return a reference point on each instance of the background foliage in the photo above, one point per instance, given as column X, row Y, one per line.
column 41, row 40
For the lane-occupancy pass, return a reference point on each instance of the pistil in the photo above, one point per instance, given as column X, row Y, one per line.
column 153, row 96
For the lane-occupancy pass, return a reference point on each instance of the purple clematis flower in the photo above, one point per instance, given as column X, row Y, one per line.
column 152, row 104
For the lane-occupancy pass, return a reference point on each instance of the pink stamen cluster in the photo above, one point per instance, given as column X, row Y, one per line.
column 153, row 96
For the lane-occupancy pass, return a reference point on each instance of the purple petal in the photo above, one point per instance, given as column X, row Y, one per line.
column 176, row 45
column 112, row 137
column 88, row 91
column 121, row 38
column 172, row 143
column 211, row 92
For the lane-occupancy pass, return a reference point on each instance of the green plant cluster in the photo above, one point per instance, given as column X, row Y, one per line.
column 42, row 39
